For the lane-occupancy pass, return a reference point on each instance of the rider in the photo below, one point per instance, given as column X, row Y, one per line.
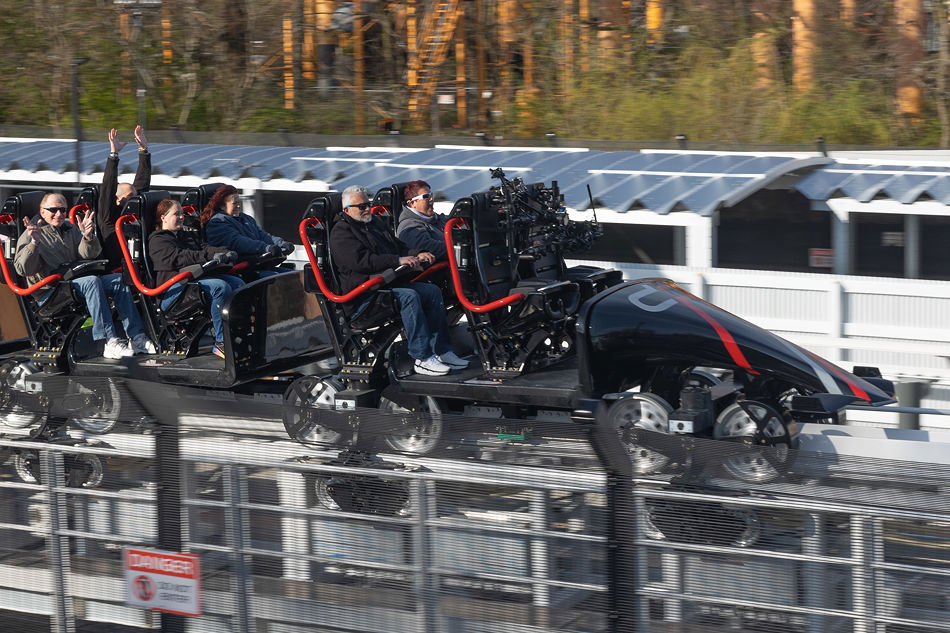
column 420, row 227
column 363, row 247
column 53, row 243
column 172, row 249
column 113, row 194
column 225, row 225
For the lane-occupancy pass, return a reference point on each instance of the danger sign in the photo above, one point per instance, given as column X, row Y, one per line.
column 163, row 581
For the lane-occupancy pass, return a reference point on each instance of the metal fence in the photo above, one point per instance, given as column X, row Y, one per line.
column 504, row 525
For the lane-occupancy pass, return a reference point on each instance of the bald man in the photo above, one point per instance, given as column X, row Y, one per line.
column 112, row 194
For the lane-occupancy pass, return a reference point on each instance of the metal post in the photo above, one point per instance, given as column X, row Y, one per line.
column 908, row 395
column 814, row 585
column 860, row 572
column 541, row 556
column 294, row 529
column 53, row 474
column 423, row 585
column 236, row 495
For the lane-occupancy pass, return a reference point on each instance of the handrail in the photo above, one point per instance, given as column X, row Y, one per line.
column 457, row 278
column 428, row 272
column 130, row 265
column 318, row 274
column 76, row 209
column 6, row 218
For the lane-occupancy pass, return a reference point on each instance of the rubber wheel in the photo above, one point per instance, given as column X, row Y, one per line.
column 755, row 424
column 303, row 402
column 419, row 431
column 641, row 412
column 101, row 416
column 12, row 377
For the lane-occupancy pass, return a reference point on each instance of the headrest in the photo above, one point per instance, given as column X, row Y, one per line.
column 24, row 205
column 198, row 197
column 143, row 205
column 90, row 196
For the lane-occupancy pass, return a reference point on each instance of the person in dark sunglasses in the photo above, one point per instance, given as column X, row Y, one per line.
column 54, row 243
column 363, row 247
column 420, row 227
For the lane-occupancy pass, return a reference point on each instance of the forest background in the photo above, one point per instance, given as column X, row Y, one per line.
column 857, row 72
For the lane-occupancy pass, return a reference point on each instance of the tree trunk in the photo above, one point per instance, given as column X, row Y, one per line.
column 939, row 13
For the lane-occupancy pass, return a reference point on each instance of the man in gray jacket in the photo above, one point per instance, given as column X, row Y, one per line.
column 54, row 243
column 420, row 227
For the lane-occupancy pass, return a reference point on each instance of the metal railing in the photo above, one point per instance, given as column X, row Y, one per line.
column 487, row 532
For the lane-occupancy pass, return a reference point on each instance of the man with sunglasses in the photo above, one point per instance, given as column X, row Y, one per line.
column 363, row 247
column 420, row 227
column 53, row 243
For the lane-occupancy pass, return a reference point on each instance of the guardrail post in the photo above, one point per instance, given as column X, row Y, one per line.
column 236, row 494
column 53, row 473
column 862, row 603
column 909, row 393
column 541, row 557
column 814, row 587
column 424, row 584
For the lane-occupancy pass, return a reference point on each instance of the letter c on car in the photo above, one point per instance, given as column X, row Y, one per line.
column 636, row 299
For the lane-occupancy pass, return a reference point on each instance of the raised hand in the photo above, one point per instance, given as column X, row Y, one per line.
column 34, row 231
column 114, row 143
column 88, row 224
column 140, row 137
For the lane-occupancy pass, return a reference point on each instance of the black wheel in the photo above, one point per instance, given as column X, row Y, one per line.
column 418, row 430
column 308, row 399
column 81, row 471
column 767, row 444
column 636, row 413
column 13, row 376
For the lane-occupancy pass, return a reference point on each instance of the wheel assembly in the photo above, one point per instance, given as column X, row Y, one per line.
column 99, row 408
column 635, row 414
column 765, row 436
column 418, row 430
column 13, row 413
column 364, row 494
column 308, row 401
column 80, row 471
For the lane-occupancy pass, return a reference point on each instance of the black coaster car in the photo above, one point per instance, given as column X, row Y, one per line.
column 557, row 342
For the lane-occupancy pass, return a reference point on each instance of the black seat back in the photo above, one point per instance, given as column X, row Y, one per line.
column 143, row 207
column 89, row 196
column 497, row 273
column 327, row 209
column 197, row 199
column 392, row 198
column 19, row 206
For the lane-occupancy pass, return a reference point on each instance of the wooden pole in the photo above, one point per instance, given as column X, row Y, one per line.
column 461, row 103
column 654, row 19
column 482, row 60
column 910, row 17
column 583, row 15
column 804, row 43
column 288, row 29
column 566, row 32
column 358, row 64
column 309, row 35
column 848, row 13
column 412, row 50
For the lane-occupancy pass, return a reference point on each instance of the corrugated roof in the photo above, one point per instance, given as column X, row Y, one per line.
column 904, row 182
column 658, row 180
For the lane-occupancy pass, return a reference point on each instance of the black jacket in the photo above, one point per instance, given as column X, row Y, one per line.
column 108, row 211
column 171, row 251
column 363, row 250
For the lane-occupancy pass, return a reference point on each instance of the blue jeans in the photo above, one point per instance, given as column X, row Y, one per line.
column 219, row 289
column 423, row 318
column 97, row 291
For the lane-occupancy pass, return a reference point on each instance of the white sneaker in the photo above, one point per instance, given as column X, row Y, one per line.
column 142, row 345
column 432, row 366
column 451, row 359
column 116, row 348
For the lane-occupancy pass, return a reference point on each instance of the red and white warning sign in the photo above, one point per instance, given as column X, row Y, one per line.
column 163, row 580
